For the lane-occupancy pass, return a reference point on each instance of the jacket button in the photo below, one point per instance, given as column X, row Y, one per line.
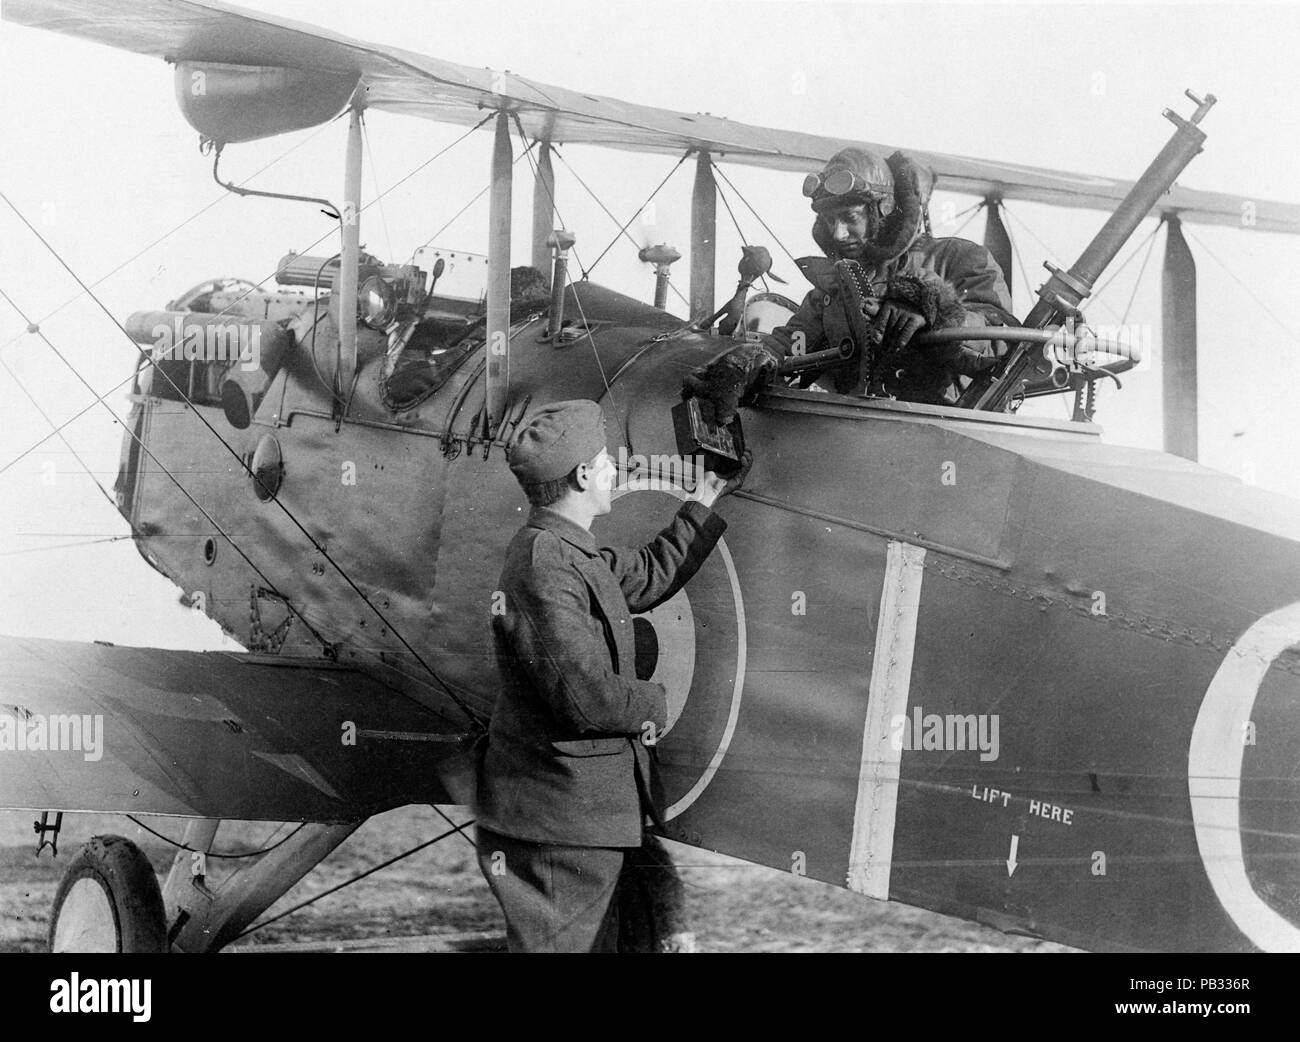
column 826, row 300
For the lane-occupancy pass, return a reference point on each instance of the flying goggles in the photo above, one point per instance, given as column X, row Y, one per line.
column 844, row 182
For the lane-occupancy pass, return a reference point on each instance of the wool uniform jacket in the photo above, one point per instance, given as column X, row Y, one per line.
column 565, row 763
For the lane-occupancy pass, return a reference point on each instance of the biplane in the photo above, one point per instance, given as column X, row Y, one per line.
column 955, row 657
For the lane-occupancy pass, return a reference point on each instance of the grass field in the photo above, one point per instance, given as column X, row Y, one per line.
column 732, row 906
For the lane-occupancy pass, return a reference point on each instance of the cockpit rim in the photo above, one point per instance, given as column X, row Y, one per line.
column 789, row 399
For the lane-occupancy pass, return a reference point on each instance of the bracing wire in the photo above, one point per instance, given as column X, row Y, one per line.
column 1141, row 271
column 354, row 879
column 1015, row 252
column 211, row 853
column 623, row 230
column 1046, row 249
column 473, row 717
column 168, row 234
column 550, row 195
column 374, row 177
column 227, row 309
column 46, row 417
column 599, row 202
column 739, row 231
column 591, row 336
column 740, row 195
column 139, row 441
column 1125, row 263
column 459, row 213
column 628, row 223
column 64, row 546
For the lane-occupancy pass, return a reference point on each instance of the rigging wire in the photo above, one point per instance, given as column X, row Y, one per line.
column 1016, row 252
column 213, row 854
column 1138, row 281
column 1066, row 405
column 743, row 240
column 473, row 717
column 448, row 820
column 962, row 227
column 591, row 335
column 58, row 431
column 739, row 195
column 1127, row 260
column 64, row 546
column 87, row 290
column 1265, row 410
column 457, row 215
column 227, row 309
column 610, row 215
column 374, row 179
column 168, row 234
column 680, row 296
column 46, row 417
column 354, row 879
column 532, row 162
column 441, row 152
column 1046, row 249
column 962, row 213
column 1290, row 332
column 140, row 441
column 622, row 231
column 624, row 227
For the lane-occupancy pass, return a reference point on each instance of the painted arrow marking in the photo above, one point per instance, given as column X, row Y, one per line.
column 1011, row 861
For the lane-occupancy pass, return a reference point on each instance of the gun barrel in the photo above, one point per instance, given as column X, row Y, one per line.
column 1060, row 296
column 1172, row 160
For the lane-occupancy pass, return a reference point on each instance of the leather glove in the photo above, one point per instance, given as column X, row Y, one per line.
column 916, row 301
column 898, row 323
column 727, row 380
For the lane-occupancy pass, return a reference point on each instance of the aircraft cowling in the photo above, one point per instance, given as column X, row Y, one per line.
column 247, row 353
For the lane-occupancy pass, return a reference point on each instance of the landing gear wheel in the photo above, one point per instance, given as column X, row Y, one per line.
column 108, row 901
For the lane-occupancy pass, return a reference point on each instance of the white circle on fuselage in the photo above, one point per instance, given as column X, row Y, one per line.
column 1214, row 763
column 738, row 678
column 674, row 626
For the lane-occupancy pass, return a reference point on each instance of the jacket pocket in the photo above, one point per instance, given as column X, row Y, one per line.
column 590, row 746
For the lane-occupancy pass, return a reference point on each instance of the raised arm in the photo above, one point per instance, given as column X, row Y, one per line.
column 650, row 574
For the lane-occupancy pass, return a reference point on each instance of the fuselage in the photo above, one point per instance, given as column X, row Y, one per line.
column 982, row 664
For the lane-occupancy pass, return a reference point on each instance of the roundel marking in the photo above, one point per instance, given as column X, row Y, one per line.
column 738, row 686
column 675, row 623
column 1214, row 764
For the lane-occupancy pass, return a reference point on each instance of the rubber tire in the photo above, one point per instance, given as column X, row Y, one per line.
column 127, row 879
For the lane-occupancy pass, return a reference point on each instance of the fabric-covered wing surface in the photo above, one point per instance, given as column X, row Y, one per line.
column 413, row 84
column 93, row 727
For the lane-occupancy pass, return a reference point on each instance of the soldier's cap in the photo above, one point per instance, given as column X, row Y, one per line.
column 555, row 440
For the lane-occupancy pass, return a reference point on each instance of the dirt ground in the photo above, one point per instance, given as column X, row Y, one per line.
column 732, row 906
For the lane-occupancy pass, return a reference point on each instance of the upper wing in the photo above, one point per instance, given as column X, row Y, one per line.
column 93, row 727
column 401, row 81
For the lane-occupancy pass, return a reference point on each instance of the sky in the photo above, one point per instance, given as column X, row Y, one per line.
column 94, row 152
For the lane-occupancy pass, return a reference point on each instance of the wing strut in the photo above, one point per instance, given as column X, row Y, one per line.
column 348, row 261
column 996, row 239
column 498, row 283
column 1178, row 338
column 704, row 215
column 543, row 207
